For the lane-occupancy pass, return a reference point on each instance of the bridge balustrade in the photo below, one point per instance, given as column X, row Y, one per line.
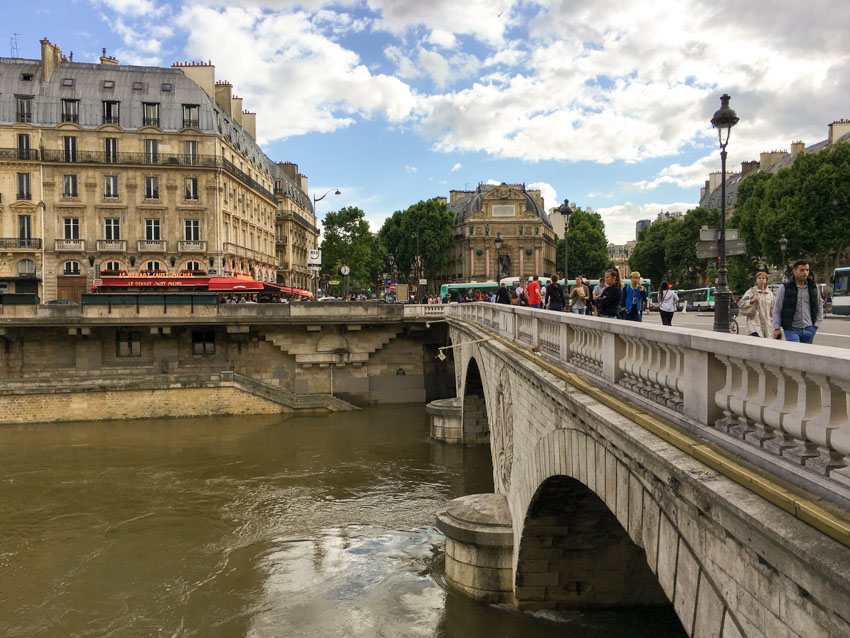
column 783, row 406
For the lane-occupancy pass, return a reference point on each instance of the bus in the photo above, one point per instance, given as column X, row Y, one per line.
column 841, row 291
column 697, row 299
column 457, row 291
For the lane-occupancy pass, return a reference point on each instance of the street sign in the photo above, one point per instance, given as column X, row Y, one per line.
column 317, row 267
column 314, row 257
column 423, row 282
column 712, row 234
column 333, row 282
column 392, row 287
column 711, row 249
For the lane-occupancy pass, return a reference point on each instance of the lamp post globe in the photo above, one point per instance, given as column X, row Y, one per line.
column 783, row 246
column 724, row 119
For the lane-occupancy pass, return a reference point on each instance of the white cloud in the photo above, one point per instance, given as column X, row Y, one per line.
column 548, row 192
column 441, row 38
column 456, row 167
column 130, row 7
column 410, row 169
column 620, row 220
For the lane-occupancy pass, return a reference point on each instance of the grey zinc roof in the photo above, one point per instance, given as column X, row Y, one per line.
column 470, row 204
column 290, row 188
column 88, row 87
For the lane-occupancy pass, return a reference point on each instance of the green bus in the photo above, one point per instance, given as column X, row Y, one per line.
column 457, row 291
column 697, row 299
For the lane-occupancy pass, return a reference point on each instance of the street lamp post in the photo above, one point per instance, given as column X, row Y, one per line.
column 498, row 242
column 316, row 200
column 783, row 245
column 724, row 119
column 565, row 210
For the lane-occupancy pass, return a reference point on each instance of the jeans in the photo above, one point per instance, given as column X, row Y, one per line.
column 534, row 305
column 800, row 335
column 556, row 307
column 579, row 311
column 608, row 316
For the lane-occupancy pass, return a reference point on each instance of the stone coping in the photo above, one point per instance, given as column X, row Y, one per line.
column 444, row 407
column 480, row 519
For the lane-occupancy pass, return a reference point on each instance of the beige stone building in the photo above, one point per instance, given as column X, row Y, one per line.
column 114, row 167
column 620, row 255
column 295, row 226
column 510, row 212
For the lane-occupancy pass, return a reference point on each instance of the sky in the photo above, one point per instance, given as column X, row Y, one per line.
column 605, row 103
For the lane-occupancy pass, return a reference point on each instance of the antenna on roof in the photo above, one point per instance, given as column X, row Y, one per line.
column 13, row 45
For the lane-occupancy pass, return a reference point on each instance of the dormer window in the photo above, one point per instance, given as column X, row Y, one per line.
column 109, row 84
column 165, row 88
column 68, row 83
column 26, row 77
column 138, row 86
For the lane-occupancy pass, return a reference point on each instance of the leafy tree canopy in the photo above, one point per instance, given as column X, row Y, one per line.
column 347, row 240
column 588, row 247
column 424, row 229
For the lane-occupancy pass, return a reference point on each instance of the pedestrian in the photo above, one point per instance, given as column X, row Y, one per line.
column 520, row 294
column 579, row 296
column 554, row 296
column 798, row 311
column 668, row 301
column 597, row 292
column 608, row 303
column 533, row 292
column 633, row 299
column 503, row 295
column 756, row 305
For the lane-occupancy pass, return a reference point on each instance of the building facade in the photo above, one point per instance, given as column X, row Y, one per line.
column 620, row 255
column 108, row 167
column 295, row 227
column 511, row 213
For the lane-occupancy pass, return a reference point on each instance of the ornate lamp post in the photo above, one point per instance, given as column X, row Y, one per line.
column 783, row 245
column 316, row 200
column 565, row 210
column 724, row 119
column 498, row 242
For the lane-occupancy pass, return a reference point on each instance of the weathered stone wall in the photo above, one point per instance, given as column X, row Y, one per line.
column 731, row 563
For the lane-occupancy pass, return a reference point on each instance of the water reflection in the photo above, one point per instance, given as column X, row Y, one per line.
column 250, row 526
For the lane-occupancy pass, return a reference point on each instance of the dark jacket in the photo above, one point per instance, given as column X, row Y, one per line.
column 609, row 301
column 627, row 301
column 789, row 302
column 503, row 296
column 554, row 295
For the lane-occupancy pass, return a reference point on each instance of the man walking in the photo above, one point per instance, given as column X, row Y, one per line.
column 502, row 294
column 798, row 310
column 533, row 292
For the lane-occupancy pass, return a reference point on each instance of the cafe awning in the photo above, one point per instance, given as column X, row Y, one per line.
column 234, row 284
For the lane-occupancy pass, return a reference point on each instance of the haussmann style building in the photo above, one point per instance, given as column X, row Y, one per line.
column 108, row 167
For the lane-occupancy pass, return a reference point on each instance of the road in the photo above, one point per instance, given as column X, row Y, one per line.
column 835, row 331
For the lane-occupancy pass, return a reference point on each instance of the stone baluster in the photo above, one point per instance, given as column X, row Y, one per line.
column 805, row 409
column 759, row 403
column 746, row 392
column 627, row 363
column 784, row 402
column 563, row 341
column 725, row 394
column 832, row 416
column 840, row 438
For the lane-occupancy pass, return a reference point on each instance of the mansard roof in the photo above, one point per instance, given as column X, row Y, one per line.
column 470, row 204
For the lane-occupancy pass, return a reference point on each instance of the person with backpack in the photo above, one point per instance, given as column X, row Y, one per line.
column 554, row 299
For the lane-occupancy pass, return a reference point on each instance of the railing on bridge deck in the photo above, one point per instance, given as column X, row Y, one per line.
column 424, row 310
column 785, row 406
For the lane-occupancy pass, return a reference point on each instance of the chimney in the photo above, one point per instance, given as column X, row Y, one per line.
column 236, row 109
column 50, row 59
column 797, row 147
column 749, row 167
column 201, row 73
column 106, row 59
column 249, row 123
column 766, row 160
column 714, row 180
column 224, row 95
column 838, row 129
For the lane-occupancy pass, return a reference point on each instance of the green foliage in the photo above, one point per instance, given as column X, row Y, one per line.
column 347, row 240
column 424, row 229
column 588, row 249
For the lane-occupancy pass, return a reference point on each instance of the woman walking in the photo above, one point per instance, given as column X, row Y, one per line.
column 757, row 306
column 608, row 302
column 668, row 301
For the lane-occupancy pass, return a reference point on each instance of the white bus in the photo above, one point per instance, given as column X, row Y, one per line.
column 841, row 291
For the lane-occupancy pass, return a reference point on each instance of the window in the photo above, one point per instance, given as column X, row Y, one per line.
column 26, row 77
column 24, row 109
column 69, row 186
column 190, row 153
column 226, row 232
column 112, row 228
column 24, row 152
column 111, row 266
column 192, row 230
column 25, row 227
column 190, row 115
column 203, row 341
column 24, row 186
column 138, row 86
column 194, row 265
column 153, row 266
column 68, row 83
column 152, row 229
column 110, row 186
column 71, row 227
column 110, row 111
column 191, row 188
column 110, row 150
column 151, row 187
column 71, row 268
column 71, row 111
column 151, row 151
column 129, row 344
column 69, row 146
column 165, row 87
column 25, row 268
column 151, row 114
column 109, row 84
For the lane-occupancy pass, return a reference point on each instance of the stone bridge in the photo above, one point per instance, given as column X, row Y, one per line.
column 641, row 465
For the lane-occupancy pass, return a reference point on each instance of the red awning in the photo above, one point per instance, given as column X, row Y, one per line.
column 234, row 284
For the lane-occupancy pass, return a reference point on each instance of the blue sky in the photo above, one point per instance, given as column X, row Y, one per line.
column 606, row 103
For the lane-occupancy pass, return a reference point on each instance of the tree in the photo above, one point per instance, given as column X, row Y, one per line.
column 424, row 230
column 347, row 240
column 588, row 249
column 648, row 256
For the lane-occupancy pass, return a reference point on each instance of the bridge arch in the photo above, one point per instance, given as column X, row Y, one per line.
column 598, row 533
column 476, row 426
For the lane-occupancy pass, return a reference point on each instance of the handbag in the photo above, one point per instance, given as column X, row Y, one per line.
column 750, row 310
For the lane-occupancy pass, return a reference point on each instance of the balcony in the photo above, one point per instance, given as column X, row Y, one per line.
column 112, row 245
column 150, row 121
column 188, row 246
column 190, row 123
column 14, row 243
column 69, row 245
column 110, row 119
column 146, row 159
column 244, row 177
column 71, row 117
column 23, row 116
column 152, row 246
column 15, row 154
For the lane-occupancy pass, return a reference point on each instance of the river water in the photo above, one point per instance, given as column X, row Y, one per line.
column 262, row 526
